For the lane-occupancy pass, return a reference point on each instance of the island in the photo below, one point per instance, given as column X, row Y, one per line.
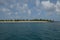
column 27, row 20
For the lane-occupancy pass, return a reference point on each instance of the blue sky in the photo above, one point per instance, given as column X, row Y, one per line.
column 30, row 9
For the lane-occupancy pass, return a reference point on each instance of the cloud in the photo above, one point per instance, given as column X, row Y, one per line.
column 51, row 7
column 39, row 13
column 25, row 5
column 9, row 13
column 3, row 2
column 28, row 7
column 58, row 7
column 47, row 5
column 4, row 9
column 29, row 12
column 16, row 13
column 11, row 6
column 37, row 3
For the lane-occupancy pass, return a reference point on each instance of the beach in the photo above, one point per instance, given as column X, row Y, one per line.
column 19, row 21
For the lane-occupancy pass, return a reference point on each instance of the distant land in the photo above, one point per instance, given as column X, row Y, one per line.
column 26, row 20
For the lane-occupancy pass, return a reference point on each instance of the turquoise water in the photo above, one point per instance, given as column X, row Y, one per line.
column 30, row 31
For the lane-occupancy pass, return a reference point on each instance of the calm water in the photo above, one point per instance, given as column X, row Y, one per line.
column 30, row 31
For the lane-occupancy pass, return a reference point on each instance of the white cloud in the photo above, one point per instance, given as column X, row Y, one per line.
column 11, row 6
column 39, row 13
column 9, row 13
column 18, row 5
column 2, row 2
column 29, row 12
column 25, row 5
column 16, row 13
column 24, row 8
column 47, row 5
column 37, row 3
column 51, row 7
column 5, row 9
column 58, row 7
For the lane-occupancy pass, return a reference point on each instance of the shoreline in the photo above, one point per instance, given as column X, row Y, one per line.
column 19, row 21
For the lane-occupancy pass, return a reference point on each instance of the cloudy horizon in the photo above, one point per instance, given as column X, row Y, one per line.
column 30, row 9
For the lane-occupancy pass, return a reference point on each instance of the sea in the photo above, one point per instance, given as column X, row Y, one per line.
column 30, row 31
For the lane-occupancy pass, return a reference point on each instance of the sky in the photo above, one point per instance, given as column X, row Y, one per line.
column 30, row 9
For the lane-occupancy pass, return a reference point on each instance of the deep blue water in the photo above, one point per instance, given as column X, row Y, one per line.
column 30, row 31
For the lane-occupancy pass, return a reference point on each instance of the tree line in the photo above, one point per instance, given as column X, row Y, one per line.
column 28, row 20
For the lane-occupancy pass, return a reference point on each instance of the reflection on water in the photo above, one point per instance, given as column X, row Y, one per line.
column 30, row 31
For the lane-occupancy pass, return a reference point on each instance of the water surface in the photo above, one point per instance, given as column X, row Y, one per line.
column 30, row 31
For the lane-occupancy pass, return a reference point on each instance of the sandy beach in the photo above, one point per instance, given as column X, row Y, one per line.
column 19, row 21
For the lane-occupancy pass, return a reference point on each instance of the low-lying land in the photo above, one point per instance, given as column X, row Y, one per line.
column 33, row 20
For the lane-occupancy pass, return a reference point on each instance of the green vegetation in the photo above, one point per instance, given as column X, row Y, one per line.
column 28, row 20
